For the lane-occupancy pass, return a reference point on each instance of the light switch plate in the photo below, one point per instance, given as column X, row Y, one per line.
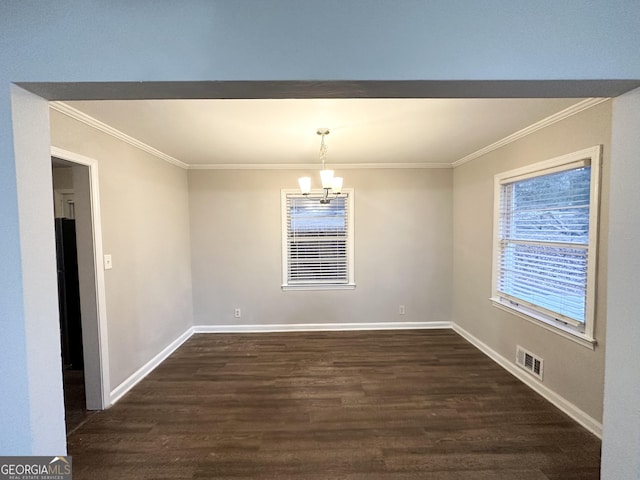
column 108, row 264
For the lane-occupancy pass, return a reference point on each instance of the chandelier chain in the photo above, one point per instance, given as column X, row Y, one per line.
column 323, row 151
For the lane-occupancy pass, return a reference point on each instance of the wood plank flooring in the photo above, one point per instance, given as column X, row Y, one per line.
column 75, row 411
column 369, row 405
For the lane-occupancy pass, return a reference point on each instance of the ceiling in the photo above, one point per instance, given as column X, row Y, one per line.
column 239, row 132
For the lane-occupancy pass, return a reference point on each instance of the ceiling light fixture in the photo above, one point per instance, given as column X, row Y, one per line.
column 330, row 184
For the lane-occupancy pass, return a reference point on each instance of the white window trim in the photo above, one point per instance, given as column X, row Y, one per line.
column 592, row 156
column 350, row 285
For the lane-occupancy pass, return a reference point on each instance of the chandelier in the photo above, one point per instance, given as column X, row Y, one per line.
column 331, row 186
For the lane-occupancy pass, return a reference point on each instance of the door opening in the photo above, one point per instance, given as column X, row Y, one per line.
column 80, row 290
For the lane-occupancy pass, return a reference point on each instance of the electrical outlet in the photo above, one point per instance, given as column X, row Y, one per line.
column 401, row 310
column 237, row 313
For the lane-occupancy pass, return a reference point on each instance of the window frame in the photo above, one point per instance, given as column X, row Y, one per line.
column 349, row 206
column 588, row 157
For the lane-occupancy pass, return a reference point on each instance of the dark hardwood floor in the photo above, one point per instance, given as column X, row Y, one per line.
column 75, row 411
column 332, row 405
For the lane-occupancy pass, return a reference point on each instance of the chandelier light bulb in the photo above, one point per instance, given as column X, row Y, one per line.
column 336, row 187
column 326, row 177
column 305, row 185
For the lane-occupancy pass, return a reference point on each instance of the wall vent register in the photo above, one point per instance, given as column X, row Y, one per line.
column 529, row 362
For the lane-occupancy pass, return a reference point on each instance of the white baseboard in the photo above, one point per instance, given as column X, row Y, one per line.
column 563, row 404
column 118, row 392
column 318, row 327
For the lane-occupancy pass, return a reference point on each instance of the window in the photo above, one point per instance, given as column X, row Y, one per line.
column 546, row 218
column 317, row 241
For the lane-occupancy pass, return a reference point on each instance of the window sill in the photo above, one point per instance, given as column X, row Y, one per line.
column 311, row 286
column 567, row 333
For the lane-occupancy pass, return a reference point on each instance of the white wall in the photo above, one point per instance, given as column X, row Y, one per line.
column 621, row 441
column 13, row 345
column 145, row 226
column 39, row 285
column 402, row 249
column 573, row 371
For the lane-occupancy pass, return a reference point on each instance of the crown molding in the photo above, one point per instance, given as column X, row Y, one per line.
column 556, row 117
column 69, row 111
column 307, row 166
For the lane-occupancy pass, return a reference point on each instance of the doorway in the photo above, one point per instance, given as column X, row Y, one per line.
column 75, row 402
column 80, row 287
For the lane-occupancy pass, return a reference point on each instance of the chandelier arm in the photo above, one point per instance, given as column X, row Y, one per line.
column 325, row 198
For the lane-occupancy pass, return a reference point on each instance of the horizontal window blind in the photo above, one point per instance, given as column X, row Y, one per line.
column 317, row 240
column 544, row 243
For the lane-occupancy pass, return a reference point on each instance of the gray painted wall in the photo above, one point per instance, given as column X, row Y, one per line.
column 621, row 439
column 62, row 178
column 571, row 370
column 145, row 226
column 402, row 249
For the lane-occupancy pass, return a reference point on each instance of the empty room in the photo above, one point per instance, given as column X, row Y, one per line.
column 320, row 335
column 263, row 268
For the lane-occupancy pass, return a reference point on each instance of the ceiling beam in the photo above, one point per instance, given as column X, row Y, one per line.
column 329, row 89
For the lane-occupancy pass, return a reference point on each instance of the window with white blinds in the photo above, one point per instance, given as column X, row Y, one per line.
column 546, row 222
column 317, row 241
